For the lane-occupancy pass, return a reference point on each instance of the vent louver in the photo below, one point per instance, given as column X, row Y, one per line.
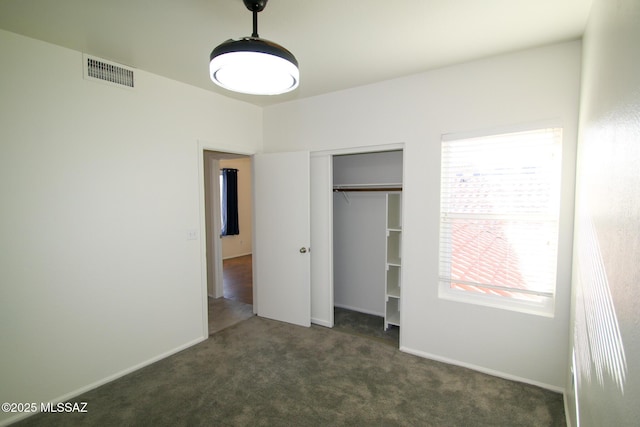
column 106, row 71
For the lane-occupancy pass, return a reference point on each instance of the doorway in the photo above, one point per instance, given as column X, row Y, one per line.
column 228, row 257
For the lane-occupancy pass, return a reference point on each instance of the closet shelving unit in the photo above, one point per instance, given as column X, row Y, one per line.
column 393, row 260
column 393, row 245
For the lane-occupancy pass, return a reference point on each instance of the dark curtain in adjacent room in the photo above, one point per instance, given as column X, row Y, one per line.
column 230, row 225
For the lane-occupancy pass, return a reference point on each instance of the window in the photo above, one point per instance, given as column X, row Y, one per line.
column 499, row 209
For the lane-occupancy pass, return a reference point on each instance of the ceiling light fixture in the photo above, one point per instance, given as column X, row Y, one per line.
column 253, row 65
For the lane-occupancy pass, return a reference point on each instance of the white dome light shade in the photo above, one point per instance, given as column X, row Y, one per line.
column 254, row 66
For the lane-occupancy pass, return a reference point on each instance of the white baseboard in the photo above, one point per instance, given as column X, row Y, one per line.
column 321, row 322
column 359, row 310
column 237, row 255
column 96, row 384
column 482, row 369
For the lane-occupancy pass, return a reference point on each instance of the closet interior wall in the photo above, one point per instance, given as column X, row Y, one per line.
column 359, row 228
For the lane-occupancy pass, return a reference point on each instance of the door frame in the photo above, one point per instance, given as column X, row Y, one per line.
column 217, row 148
column 325, row 204
column 212, row 228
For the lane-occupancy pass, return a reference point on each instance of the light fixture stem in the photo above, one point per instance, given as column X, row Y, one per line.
column 255, row 24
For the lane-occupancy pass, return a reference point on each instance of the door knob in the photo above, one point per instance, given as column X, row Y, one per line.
column 303, row 250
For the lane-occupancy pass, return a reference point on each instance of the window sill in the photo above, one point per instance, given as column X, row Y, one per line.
column 544, row 308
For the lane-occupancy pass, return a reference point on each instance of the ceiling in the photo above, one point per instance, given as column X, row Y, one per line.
column 339, row 43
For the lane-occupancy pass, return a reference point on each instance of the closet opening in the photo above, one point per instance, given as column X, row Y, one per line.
column 367, row 242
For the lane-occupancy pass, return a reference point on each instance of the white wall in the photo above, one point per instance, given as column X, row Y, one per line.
column 239, row 245
column 99, row 188
column 383, row 167
column 489, row 94
column 359, row 252
column 606, row 319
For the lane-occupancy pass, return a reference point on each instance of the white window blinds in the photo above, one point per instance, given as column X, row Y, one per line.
column 499, row 213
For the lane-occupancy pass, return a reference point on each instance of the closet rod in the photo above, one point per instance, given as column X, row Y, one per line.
column 337, row 190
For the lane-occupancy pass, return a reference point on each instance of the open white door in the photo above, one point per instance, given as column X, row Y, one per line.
column 282, row 236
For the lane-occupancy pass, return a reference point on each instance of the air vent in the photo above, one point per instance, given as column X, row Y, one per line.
column 107, row 72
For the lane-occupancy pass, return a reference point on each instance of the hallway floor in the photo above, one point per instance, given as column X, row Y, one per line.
column 237, row 303
column 238, row 279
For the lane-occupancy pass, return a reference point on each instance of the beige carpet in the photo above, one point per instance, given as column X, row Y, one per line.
column 261, row 372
